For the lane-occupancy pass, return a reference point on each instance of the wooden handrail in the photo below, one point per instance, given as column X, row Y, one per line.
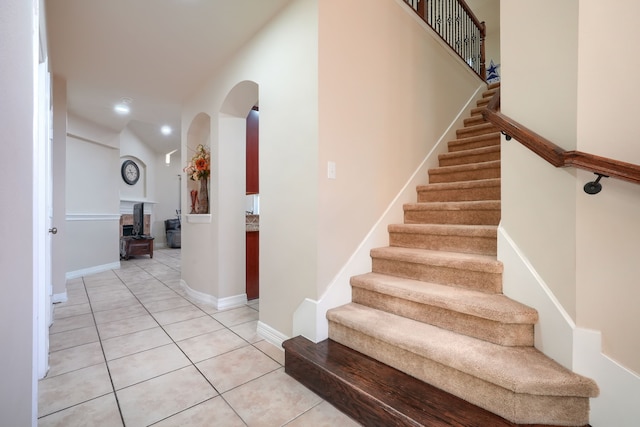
column 554, row 154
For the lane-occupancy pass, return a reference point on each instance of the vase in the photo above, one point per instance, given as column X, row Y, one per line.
column 203, row 197
column 194, row 199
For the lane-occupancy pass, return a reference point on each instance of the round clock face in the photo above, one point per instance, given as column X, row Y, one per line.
column 130, row 172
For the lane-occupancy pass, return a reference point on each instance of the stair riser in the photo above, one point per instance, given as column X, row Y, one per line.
column 501, row 334
column 474, row 120
column 459, row 195
column 468, row 217
column 438, row 176
column 468, row 159
column 452, row 275
column 451, row 243
column 518, row 408
column 489, row 140
column 475, row 131
column 343, row 395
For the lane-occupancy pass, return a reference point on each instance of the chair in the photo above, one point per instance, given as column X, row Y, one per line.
column 173, row 232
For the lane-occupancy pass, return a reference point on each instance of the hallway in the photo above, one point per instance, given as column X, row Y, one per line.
column 130, row 348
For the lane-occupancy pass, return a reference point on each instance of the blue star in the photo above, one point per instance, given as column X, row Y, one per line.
column 492, row 72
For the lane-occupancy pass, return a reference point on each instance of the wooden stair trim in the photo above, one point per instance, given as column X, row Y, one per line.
column 376, row 394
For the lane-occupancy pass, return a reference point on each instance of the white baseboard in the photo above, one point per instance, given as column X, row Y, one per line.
column 92, row 270
column 271, row 335
column 218, row 303
column 576, row 348
column 617, row 404
column 521, row 282
column 58, row 298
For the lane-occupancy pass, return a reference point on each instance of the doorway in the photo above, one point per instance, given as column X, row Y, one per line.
column 252, row 209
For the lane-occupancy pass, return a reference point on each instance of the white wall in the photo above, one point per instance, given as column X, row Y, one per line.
column 132, row 148
column 167, row 182
column 16, row 212
column 92, row 199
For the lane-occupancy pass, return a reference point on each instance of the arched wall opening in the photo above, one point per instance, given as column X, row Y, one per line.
column 231, row 186
column 214, row 249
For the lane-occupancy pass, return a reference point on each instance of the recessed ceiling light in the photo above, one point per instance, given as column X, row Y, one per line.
column 123, row 106
column 166, row 130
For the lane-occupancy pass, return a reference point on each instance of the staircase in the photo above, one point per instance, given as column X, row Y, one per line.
column 432, row 309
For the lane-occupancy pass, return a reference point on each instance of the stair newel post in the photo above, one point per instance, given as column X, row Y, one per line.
column 483, row 59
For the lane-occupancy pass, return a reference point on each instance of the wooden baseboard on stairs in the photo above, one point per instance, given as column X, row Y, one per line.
column 375, row 394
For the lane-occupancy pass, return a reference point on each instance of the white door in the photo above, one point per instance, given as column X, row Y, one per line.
column 43, row 229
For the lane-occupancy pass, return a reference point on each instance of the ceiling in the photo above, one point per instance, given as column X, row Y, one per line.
column 155, row 52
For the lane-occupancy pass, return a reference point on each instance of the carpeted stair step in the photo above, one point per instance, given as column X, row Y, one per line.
column 476, row 130
column 469, row 213
column 477, row 111
column 470, row 271
column 474, row 155
column 484, row 170
column 473, row 239
column 490, row 92
column 460, row 191
column 487, row 140
column 474, row 120
column 482, row 102
column 517, row 383
column 489, row 317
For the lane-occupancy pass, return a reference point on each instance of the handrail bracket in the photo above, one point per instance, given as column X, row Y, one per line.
column 594, row 187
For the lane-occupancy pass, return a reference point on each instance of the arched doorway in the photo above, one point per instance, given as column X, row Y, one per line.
column 238, row 139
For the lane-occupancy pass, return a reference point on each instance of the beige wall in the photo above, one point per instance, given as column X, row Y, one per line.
column 575, row 254
column 489, row 12
column 539, row 90
column 387, row 92
column 16, row 212
column 333, row 86
column 608, row 225
column 282, row 61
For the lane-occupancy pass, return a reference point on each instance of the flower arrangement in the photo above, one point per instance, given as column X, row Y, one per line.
column 200, row 165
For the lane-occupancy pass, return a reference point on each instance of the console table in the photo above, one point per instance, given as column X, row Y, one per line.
column 131, row 246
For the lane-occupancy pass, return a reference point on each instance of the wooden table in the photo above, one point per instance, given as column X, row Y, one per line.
column 135, row 246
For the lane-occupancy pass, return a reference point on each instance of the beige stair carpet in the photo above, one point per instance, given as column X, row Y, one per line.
column 433, row 306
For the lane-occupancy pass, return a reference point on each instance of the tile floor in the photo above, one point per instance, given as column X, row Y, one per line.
column 130, row 348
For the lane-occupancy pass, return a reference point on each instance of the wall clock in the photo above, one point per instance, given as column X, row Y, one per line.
column 130, row 172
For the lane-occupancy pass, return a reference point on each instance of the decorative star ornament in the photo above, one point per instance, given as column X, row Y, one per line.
column 492, row 73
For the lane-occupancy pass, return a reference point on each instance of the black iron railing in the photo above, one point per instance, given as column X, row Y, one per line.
column 456, row 24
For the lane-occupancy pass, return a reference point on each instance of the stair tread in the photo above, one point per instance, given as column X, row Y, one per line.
column 436, row 186
column 464, row 168
column 496, row 307
column 483, row 137
column 470, row 152
column 474, row 262
column 454, row 206
column 475, row 128
column 519, row 369
column 445, row 229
